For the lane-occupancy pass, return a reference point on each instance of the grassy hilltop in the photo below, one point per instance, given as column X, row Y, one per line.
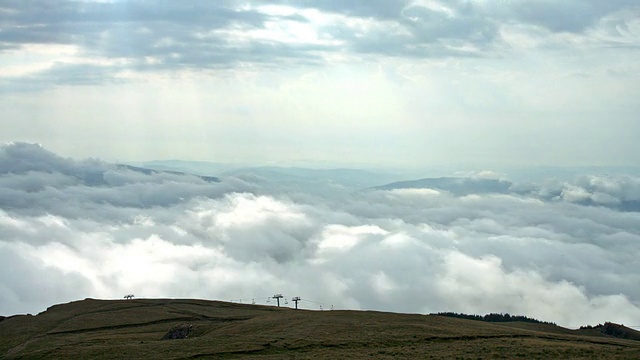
column 134, row 329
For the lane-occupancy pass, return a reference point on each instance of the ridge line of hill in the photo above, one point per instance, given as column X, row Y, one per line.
column 190, row 329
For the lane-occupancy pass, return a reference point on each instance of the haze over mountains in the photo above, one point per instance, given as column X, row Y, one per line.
column 457, row 186
column 557, row 250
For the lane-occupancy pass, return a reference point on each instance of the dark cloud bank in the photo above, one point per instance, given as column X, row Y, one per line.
column 144, row 35
column 558, row 251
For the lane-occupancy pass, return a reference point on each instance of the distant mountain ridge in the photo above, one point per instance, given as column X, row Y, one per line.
column 146, row 171
column 459, row 186
column 25, row 158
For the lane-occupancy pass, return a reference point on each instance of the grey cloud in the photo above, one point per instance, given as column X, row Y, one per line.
column 167, row 31
column 429, row 25
column 621, row 192
column 36, row 180
column 418, row 32
column 378, row 9
column 135, row 31
column 427, row 32
column 253, row 228
column 573, row 16
column 174, row 235
column 59, row 73
column 176, row 35
column 566, row 16
column 20, row 158
column 27, row 283
column 66, row 21
column 458, row 186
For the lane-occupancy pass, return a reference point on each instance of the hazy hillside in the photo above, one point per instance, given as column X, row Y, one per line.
column 147, row 171
column 455, row 185
column 130, row 329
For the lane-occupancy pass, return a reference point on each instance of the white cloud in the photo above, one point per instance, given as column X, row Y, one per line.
column 344, row 238
column 556, row 258
column 472, row 284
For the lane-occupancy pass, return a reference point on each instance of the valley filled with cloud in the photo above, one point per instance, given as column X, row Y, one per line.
column 414, row 156
column 560, row 250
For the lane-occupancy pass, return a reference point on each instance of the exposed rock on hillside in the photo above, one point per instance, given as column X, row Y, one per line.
column 178, row 332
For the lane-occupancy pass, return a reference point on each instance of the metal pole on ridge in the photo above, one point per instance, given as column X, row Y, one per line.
column 278, row 297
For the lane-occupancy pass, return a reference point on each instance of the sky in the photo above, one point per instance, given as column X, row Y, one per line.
column 342, row 83
column 470, row 86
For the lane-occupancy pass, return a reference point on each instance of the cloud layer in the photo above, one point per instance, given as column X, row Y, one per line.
column 105, row 41
column 560, row 252
column 397, row 83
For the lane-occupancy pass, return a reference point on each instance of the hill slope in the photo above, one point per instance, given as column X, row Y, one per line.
column 455, row 185
column 119, row 329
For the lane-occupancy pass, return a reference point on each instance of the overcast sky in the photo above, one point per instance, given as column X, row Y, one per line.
column 397, row 83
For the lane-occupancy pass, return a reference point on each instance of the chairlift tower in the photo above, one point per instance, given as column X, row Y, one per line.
column 295, row 300
column 278, row 297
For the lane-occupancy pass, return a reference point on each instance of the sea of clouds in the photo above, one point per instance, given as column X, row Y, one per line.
column 560, row 251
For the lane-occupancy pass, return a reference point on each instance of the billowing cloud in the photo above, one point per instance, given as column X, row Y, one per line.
column 73, row 229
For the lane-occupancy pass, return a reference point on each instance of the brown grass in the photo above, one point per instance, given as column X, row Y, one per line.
column 132, row 329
